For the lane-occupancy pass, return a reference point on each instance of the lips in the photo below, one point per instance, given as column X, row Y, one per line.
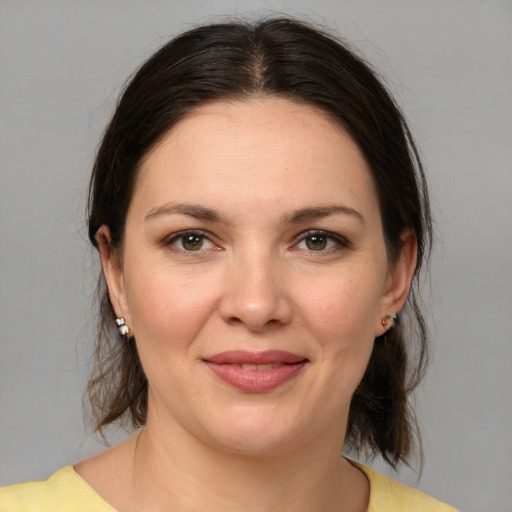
column 256, row 372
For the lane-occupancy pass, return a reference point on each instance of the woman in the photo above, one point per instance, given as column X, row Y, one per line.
column 260, row 212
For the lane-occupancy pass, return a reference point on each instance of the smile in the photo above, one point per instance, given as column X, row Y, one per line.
column 259, row 367
column 256, row 372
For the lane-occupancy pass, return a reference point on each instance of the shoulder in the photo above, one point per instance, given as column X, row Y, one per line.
column 388, row 495
column 63, row 491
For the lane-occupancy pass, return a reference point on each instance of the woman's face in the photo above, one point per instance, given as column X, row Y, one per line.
column 254, row 275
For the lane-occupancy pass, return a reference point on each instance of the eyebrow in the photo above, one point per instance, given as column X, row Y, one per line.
column 192, row 210
column 208, row 214
column 320, row 212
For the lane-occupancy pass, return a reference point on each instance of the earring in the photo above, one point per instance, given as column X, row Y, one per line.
column 121, row 325
column 389, row 320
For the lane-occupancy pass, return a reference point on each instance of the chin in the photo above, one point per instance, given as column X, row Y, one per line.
column 256, row 444
column 259, row 434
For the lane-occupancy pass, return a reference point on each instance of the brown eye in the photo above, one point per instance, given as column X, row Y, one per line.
column 322, row 242
column 192, row 242
column 316, row 242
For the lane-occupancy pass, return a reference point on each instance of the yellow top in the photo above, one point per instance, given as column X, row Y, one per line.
column 66, row 491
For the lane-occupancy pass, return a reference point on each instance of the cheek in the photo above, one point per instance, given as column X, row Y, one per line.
column 340, row 314
column 342, row 309
column 167, row 307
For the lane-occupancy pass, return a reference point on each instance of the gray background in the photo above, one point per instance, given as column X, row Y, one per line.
column 450, row 64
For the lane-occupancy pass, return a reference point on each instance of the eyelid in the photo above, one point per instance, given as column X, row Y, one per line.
column 174, row 237
column 339, row 239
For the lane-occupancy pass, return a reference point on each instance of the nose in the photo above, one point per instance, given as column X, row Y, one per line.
column 255, row 294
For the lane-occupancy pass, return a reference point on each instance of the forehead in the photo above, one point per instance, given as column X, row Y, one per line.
column 263, row 150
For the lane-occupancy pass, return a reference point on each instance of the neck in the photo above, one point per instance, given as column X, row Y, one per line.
column 173, row 469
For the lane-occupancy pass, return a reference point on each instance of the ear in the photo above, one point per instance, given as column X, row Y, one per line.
column 399, row 279
column 113, row 272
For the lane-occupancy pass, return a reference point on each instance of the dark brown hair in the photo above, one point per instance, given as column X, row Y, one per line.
column 286, row 58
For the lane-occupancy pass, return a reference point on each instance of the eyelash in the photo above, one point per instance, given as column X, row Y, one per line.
column 180, row 236
column 339, row 241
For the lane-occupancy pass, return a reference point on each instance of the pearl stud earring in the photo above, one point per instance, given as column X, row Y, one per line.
column 121, row 325
column 389, row 320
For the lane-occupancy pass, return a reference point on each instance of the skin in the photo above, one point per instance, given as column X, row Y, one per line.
column 258, row 280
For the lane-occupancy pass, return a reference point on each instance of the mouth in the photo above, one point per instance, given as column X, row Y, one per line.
column 259, row 367
column 256, row 372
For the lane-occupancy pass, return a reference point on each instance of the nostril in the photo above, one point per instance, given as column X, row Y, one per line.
column 254, row 297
